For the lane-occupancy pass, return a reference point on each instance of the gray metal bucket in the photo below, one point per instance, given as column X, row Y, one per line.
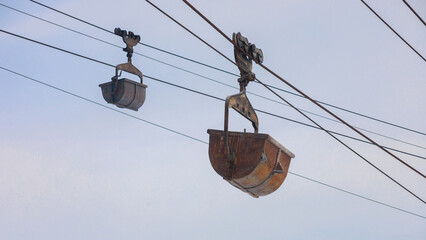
column 124, row 93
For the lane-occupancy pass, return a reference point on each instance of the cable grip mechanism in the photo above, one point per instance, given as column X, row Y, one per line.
column 130, row 39
column 244, row 54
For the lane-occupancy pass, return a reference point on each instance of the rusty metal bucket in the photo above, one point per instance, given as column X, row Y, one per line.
column 254, row 163
column 125, row 93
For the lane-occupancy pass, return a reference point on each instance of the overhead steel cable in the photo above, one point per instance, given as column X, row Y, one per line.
column 310, row 99
column 221, row 70
column 396, row 33
column 417, row 15
column 199, row 140
column 202, row 76
column 208, row 95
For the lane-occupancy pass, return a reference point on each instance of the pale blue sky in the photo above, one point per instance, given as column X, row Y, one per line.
column 73, row 170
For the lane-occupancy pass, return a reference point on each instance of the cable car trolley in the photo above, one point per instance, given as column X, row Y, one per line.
column 125, row 93
column 252, row 162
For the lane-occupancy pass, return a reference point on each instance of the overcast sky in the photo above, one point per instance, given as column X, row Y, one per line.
column 70, row 169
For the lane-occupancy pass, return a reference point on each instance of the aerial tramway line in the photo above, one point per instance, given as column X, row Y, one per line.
column 114, row 96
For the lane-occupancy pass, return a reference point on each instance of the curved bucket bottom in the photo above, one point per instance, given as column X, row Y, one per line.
column 261, row 163
column 128, row 94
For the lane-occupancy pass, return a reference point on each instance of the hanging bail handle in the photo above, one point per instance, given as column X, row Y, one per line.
column 128, row 67
column 240, row 103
